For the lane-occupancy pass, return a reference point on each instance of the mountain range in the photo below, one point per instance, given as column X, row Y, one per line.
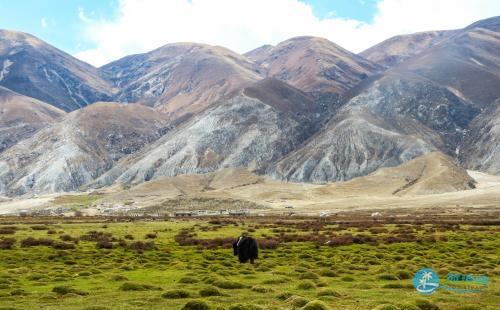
column 305, row 110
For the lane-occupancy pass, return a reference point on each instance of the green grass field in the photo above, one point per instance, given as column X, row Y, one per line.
column 114, row 265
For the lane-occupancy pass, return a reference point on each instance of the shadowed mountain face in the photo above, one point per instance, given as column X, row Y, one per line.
column 21, row 117
column 253, row 129
column 395, row 50
column 181, row 79
column 313, row 64
column 33, row 68
column 481, row 147
column 393, row 120
column 75, row 151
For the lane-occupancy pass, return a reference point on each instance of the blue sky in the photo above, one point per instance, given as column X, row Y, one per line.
column 99, row 31
column 55, row 21
column 58, row 22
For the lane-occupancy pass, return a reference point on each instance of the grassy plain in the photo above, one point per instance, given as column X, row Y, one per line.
column 304, row 264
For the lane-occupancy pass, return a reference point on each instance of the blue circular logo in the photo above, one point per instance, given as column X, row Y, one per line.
column 426, row 281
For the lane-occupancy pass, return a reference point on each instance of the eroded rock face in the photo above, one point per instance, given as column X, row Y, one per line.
column 21, row 117
column 390, row 122
column 181, row 79
column 241, row 132
column 33, row 68
column 75, row 151
column 480, row 149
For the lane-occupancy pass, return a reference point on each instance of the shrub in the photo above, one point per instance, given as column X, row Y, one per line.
column 308, row 275
column 129, row 237
column 104, row 244
column 261, row 289
column 140, row 246
column 63, row 246
column 329, row 292
column 36, row 276
column 306, row 285
column 119, row 277
column 7, row 243
column 18, row 292
column 268, row 244
column 275, row 281
column 176, row 294
column 30, row 241
column 39, row 227
column 387, row 276
column 188, row 280
column 328, row 273
column 403, row 274
column 423, row 304
column 297, row 301
column 230, row 285
column 96, row 236
column 196, row 305
column 209, row 291
column 151, row 236
column 315, row 305
column 284, row 295
column 132, row 286
column 63, row 290
column 68, row 238
column 8, row 230
column 209, row 280
column 347, row 279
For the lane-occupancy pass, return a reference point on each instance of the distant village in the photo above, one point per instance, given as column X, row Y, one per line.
column 121, row 210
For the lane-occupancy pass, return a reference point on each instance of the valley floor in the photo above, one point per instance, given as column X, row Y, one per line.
column 238, row 189
column 349, row 263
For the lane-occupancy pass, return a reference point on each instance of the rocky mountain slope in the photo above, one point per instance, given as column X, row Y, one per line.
column 313, row 64
column 393, row 119
column 181, row 79
column 467, row 62
column 395, row 50
column 431, row 174
column 36, row 69
column 305, row 110
column 480, row 149
column 75, row 151
column 21, row 117
column 252, row 129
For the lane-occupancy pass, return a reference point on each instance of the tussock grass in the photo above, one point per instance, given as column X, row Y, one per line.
column 172, row 271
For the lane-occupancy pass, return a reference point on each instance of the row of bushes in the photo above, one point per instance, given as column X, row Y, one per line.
column 103, row 241
column 187, row 238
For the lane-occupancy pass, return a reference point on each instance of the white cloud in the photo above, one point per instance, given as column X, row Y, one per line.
column 83, row 17
column 44, row 23
column 242, row 25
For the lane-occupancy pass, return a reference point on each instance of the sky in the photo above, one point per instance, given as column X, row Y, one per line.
column 100, row 31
